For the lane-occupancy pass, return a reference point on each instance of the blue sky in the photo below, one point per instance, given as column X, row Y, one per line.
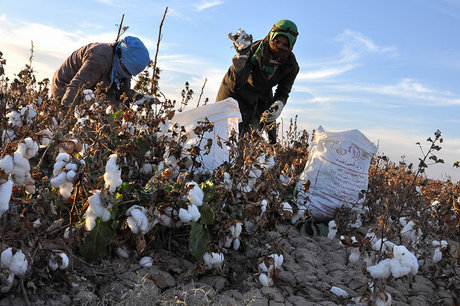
column 388, row 68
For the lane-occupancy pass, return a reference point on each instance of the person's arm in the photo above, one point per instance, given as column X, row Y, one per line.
column 285, row 85
column 88, row 76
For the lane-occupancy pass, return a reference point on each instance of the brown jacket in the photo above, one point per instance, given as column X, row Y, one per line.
column 83, row 69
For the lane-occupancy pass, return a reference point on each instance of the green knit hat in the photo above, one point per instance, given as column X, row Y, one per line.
column 287, row 28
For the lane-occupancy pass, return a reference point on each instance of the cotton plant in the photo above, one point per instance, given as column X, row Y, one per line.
column 253, row 175
column 251, row 221
column 137, row 219
column 58, row 261
column 15, row 263
column 99, row 207
column 440, row 246
column 45, row 138
column 28, row 113
column 65, row 170
column 266, row 161
column 267, row 267
column 112, row 175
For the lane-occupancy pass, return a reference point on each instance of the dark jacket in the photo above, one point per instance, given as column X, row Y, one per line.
column 252, row 87
column 83, row 69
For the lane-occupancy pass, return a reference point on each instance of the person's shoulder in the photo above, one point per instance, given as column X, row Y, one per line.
column 291, row 60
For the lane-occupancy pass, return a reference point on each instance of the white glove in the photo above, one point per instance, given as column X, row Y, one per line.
column 275, row 111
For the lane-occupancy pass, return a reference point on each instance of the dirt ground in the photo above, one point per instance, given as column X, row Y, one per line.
column 312, row 266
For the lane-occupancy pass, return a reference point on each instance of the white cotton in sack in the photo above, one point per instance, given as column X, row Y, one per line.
column 337, row 168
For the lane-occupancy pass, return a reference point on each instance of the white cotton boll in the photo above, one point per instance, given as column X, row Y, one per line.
column 59, row 165
column 339, row 292
column 403, row 221
column 436, row 243
column 5, row 196
column 228, row 242
column 71, row 166
column 52, row 263
column 285, row 206
column 146, row 168
column 122, row 253
column 228, row 182
column 63, row 157
column 59, row 180
column 278, row 260
column 65, row 189
column 28, row 148
column 31, row 112
column 184, row 216
column 437, row 255
column 265, row 280
column 332, row 230
column 105, row 215
column 380, row 301
column 406, row 258
column 354, row 255
column 70, row 176
column 194, row 212
column 6, row 257
column 146, row 261
column 264, row 205
column 45, row 138
column 37, row 223
column 9, row 283
column 166, row 220
column 137, row 220
column 95, row 203
column 90, row 221
column 14, row 118
column 21, row 162
column 112, row 175
column 64, row 261
column 444, row 244
column 237, row 229
column 296, row 217
column 236, row 244
column 397, row 269
column 19, row 264
column 195, row 194
column 213, row 260
column 380, row 270
column 7, row 164
column 263, row 267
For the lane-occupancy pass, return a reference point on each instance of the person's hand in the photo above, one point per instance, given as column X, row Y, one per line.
column 141, row 99
column 241, row 42
column 275, row 111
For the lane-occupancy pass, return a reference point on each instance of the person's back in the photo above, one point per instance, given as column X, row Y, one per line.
column 85, row 67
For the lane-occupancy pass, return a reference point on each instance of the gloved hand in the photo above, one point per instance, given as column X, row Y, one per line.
column 275, row 111
column 141, row 99
column 241, row 41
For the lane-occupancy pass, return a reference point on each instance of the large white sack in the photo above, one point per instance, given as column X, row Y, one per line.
column 337, row 167
column 225, row 115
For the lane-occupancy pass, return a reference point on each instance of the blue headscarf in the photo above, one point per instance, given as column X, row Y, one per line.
column 134, row 56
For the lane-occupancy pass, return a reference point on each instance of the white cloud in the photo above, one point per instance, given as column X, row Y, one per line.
column 328, row 72
column 207, row 4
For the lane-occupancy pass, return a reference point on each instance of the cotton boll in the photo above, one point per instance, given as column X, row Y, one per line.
column 37, row 223
column 146, row 261
column 59, row 180
column 184, row 215
column 265, row 280
column 5, row 196
column 122, row 252
column 228, row 182
column 90, row 221
column 405, row 259
column 437, row 255
column 52, row 263
column 9, row 283
column 28, row 148
column 112, row 175
column 19, row 264
column 213, row 260
column 384, row 300
column 354, row 255
column 7, row 164
column 14, row 118
column 63, row 261
column 380, row 270
column 339, row 292
column 194, row 212
column 63, row 157
column 236, row 244
column 237, row 229
column 332, row 229
column 31, row 112
column 137, row 219
column 146, row 168
column 195, row 194
column 6, row 257
column 278, row 259
column 65, row 189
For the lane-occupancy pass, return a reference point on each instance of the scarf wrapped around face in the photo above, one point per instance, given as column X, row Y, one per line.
column 118, row 74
